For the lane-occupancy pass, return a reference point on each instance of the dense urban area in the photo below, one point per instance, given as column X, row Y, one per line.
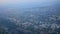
column 35, row 20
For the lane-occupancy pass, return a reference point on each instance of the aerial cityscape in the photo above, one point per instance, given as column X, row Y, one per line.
column 29, row 17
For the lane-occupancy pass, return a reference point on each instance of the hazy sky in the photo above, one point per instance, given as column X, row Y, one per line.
column 28, row 3
column 25, row 1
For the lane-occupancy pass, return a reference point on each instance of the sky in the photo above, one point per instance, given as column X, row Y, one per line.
column 24, row 1
column 27, row 3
